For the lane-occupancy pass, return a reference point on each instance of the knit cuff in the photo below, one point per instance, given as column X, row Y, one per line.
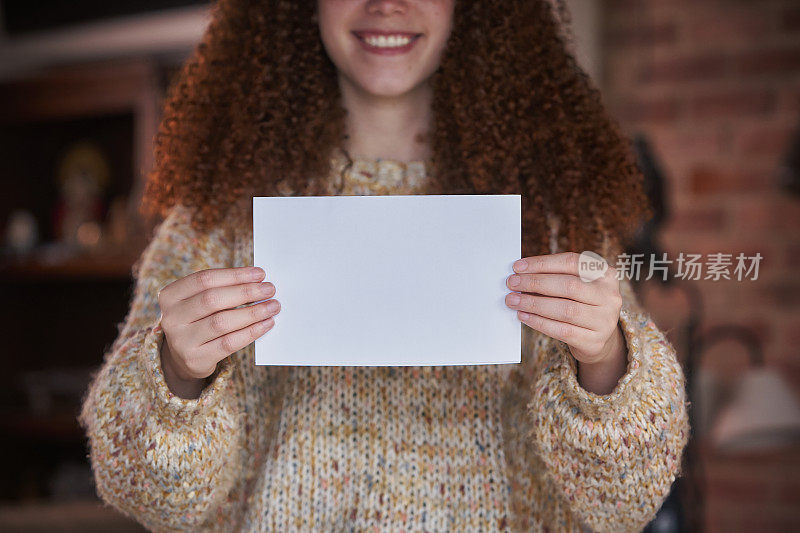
column 164, row 399
column 597, row 405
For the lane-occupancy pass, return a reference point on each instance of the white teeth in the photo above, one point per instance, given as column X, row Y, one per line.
column 392, row 41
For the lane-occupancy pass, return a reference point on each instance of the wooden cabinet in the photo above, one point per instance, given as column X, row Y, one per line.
column 61, row 310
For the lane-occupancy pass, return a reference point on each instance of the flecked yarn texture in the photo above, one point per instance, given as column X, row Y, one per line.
column 517, row 447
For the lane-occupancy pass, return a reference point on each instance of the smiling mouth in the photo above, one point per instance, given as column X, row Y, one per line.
column 387, row 40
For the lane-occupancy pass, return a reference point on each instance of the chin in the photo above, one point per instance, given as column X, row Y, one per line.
column 386, row 88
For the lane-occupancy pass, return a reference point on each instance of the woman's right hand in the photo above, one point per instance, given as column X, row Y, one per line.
column 201, row 328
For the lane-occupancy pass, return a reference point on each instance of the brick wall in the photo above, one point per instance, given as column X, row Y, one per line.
column 715, row 85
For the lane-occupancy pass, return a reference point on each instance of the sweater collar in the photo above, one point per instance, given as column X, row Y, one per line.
column 363, row 175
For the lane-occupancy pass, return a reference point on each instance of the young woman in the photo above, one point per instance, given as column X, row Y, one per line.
column 386, row 97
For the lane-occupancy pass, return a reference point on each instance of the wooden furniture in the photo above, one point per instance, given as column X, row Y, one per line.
column 60, row 313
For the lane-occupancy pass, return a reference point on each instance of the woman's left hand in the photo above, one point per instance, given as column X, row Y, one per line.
column 550, row 296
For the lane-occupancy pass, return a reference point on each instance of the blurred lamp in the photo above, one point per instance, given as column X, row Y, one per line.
column 764, row 414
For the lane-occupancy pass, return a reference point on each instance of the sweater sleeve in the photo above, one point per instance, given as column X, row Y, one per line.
column 158, row 458
column 612, row 458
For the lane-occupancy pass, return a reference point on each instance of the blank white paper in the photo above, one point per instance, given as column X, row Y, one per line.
column 393, row 280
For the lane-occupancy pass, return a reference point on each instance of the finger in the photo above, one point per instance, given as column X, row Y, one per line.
column 224, row 322
column 559, row 285
column 209, row 278
column 560, row 263
column 569, row 333
column 222, row 347
column 210, row 301
column 562, row 309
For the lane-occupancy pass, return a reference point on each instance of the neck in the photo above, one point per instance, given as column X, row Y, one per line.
column 387, row 127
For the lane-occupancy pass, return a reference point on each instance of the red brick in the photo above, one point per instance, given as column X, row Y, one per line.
column 772, row 141
column 641, row 35
column 791, row 334
column 658, row 110
column 720, row 517
column 766, row 216
column 790, row 493
column 783, row 293
column 790, row 19
column 763, row 329
column 683, row 69
column 787, row 216
column 637, row 6
column 697, row 219
column 759, row 465
column 789, row 103
column 778, row 61
column 733, row 28
column 738, row 490
column 784, row 357
column 793, row 260
column 681, row 144
column 724, row 104
column 715, row 180
column 752, row 216
column 619, row 71
column 790, row 368
column 760, row 519
column 729, row 42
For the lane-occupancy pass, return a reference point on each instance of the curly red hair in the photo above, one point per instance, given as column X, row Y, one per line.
column 257, row 107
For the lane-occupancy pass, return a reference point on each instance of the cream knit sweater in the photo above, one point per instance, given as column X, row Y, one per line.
column 517, row 447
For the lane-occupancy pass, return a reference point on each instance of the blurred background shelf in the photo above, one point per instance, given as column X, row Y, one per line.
column 55, row 517
column 63, row 304
column 108, row 266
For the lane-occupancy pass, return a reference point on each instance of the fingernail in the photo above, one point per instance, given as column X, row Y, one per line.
column 265, row 288
column 256, row 272
column 513, row 299
column 520, row 265
column 513, row 280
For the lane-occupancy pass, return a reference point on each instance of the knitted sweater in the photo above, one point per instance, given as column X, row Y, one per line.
column 514, row 447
